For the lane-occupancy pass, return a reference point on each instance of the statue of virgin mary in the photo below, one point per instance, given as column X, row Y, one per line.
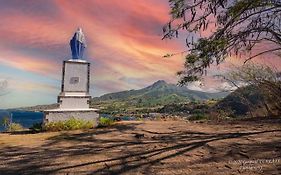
column 78, row 44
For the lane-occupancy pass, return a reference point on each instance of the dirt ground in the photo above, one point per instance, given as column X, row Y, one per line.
column 148, row 147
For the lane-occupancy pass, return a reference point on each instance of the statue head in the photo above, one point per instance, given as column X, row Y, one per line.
column 79, row 29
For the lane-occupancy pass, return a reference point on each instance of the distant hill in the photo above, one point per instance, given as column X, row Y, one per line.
column 246, row 99
column 240, row 100
column 39, row 108
column 159, row 93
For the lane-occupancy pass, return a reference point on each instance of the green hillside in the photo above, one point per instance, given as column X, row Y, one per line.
column 158, row 94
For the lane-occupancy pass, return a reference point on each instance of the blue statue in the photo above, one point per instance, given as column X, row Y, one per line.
column 78, row 44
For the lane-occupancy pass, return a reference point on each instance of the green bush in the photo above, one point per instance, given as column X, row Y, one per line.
column 14, row 127
column 225, row 114
column 104, row 122
column 71, row 124
column 198, row 116
column 5, row 122
column 197, row 111
column 36, row 127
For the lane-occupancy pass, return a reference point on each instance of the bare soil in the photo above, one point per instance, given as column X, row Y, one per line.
column 148, row 147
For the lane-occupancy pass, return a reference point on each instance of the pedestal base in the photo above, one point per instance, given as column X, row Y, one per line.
column 74, row 102
column 55, row 115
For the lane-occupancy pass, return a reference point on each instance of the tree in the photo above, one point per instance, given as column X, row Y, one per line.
column 239, row 27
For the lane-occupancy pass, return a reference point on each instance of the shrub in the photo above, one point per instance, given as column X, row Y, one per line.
column 36, row 127
column 224, row 114
column 198, row 116
column 104, row 122
column 139, row 119
column 9, row 125
column 71, row 124
column 214, row 115
column 5, row 122
column 15, row 127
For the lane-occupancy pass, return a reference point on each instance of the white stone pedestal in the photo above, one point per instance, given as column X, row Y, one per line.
column 74, row 99
column 62, row 115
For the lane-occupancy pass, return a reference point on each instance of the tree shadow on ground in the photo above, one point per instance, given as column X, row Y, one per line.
column 116, row 150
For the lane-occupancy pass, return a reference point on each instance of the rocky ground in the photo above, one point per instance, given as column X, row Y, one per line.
column 148, row 147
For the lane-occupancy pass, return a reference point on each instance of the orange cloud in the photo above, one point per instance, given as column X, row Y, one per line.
column 121, row 42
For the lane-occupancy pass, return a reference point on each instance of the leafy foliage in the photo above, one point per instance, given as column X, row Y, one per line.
column 239, row 26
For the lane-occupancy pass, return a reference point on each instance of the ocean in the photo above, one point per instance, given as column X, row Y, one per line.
column 25, row 118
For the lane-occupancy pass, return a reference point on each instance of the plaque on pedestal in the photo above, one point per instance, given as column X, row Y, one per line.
column 75, row 85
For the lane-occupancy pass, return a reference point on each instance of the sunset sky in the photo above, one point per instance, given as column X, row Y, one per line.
column 124, row 46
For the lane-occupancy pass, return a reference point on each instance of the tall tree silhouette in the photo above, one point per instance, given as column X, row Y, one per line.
column 235, row 27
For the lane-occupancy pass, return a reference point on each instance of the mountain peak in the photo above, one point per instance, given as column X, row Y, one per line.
column 158, row 92
column 159, row 83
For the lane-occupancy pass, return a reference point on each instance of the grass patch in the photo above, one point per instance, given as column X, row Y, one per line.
column 104, row 122
column 13, row 127
column 10, row 126
column 71, row 124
